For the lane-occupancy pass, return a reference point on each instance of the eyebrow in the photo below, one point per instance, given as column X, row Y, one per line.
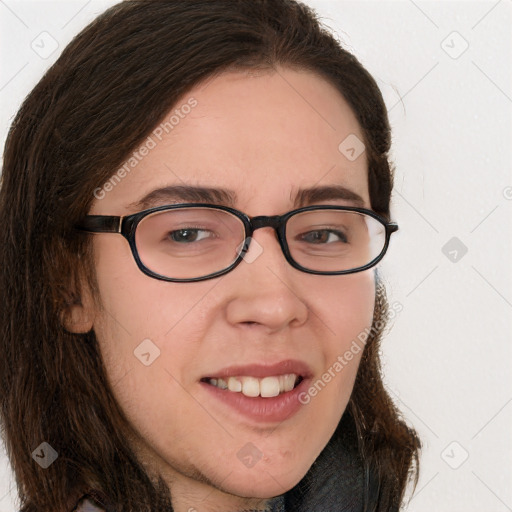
column 211, row 195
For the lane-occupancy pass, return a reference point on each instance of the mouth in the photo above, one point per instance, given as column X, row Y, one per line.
column 260, row 393
column 250, row 386
column 260, row 379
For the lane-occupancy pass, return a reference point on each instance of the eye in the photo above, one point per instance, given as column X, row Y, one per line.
column 186, row 235
column 324, row 236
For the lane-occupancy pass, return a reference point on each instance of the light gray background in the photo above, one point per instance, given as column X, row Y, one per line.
column 447, row 357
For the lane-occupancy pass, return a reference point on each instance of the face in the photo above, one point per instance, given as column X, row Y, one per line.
column 263, row 137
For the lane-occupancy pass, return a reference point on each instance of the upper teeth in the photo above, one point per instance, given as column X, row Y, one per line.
column 252, row 386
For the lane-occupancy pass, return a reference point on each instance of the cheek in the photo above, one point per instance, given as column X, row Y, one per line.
column 345, row 309
column 136, row 306
column 344, row 306
column 139, row 321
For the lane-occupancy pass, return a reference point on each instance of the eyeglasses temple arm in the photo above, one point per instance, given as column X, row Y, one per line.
column 100, row 224
column 392, row 227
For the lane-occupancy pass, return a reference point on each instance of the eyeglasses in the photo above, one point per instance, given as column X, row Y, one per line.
column 197, row 241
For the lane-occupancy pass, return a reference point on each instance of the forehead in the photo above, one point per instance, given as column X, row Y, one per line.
column 261, row 135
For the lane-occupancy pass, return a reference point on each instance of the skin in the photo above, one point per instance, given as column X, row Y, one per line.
column 257, row 135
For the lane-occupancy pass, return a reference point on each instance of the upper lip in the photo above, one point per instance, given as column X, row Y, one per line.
column 264, row 370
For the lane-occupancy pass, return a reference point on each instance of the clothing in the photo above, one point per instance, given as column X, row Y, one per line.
column 334, row 483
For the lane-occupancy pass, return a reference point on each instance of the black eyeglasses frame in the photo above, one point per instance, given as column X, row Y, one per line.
column 127, row 225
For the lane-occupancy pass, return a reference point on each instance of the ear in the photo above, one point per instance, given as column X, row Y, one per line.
column 79, row 315
column 76, row 320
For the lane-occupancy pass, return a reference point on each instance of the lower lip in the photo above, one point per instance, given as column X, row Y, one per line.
column 272, row 409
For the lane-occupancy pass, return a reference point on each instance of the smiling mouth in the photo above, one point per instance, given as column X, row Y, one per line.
column 265, row 387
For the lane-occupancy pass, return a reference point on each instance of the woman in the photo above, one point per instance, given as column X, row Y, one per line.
column 193, row 202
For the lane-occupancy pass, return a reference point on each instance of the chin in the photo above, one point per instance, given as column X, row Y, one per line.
column 263, row 482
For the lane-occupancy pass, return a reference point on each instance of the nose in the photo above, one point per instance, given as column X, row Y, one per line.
column 265, row 287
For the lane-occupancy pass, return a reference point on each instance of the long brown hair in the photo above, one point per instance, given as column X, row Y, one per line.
column 105, row 94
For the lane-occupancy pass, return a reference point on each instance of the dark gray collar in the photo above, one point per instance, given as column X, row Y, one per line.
column 335, row 481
